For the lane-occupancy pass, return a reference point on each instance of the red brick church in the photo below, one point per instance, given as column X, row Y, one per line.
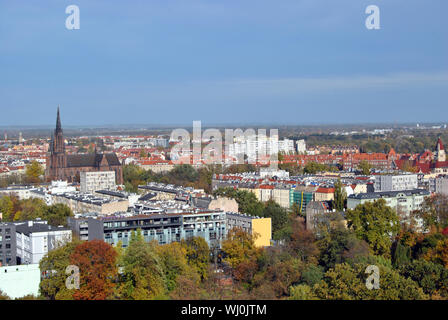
column 62, row 166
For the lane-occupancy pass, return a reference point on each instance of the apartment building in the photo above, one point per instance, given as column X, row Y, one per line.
column 97, row 180
column 396, row 182
column 261, row 227
column 36, row 238
column 404, row 202
column 84, row 203
column 8, row 250
column 163, row 227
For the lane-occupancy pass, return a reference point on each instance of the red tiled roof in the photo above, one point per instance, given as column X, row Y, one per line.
column 325, row 190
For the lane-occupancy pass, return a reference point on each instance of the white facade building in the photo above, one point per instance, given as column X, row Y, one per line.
column 396, row 182
column 37, row 238
column 301, row 146
column 98, row 180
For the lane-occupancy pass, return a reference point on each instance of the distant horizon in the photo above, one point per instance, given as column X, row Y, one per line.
column 223, row 125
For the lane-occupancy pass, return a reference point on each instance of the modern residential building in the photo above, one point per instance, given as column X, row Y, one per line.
column 162, row 227
column 404, row 202
column 97, row 180
column 8, row 250
column 261, row 227
column 396, row 182
column 37, row 238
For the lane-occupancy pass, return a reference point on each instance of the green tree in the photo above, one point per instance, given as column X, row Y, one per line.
column 341, row 246
column 7, row 208
column 376, row 223
column 344, row 282
column 53, row 267
column 33, row 172
column 57, row 214
column 198, row 255
column 314, row 167
column 365, row 167
column 312, row 275
column 302, row 292
column 142, row 275
column 431, row 277
column 434, row 212
column 339, row 196
column 174, row 263
column 401, row 254
column 278, row 215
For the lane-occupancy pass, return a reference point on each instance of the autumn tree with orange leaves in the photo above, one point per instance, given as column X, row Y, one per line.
column 96, row 260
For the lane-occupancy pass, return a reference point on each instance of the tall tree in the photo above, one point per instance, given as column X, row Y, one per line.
column 53, row 268
column 198, row 255
column 142, row 276
column 434, row 212
column 33, row 172
column 339, row 196
column 278, row 215
column 376, row 223
column 365, row 167
column 96, row 261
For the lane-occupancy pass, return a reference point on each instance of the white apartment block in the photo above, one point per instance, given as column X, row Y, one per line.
column 97, row 180
column 36, row 238
column 396, row 182
column 301, row 146
column 255, row 146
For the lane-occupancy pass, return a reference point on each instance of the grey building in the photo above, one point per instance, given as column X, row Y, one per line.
column 400, row 182
column 162, row 227
column 8, row 247
column 441, row 185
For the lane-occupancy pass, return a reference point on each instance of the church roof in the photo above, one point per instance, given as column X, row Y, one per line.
column 91, row 160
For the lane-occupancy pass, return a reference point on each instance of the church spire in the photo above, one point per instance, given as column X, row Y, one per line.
column 58, row 122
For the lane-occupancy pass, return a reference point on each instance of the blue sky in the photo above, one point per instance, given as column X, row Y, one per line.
column 223, row 61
